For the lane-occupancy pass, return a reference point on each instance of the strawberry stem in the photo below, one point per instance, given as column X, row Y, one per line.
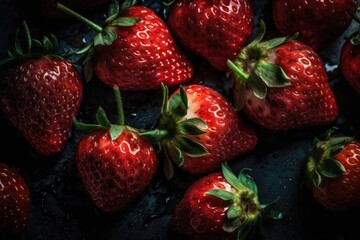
column 119, row 106
column 79, row 17
column 237, row 70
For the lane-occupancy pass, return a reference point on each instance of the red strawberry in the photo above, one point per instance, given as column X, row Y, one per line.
column 282, row 84
column 221, row 206
column 201, row 130
column 215, row 30
column 115, row 163
column 135, row 50
column 40, row 94
column 350, row 61
column 14, row 201
column 333, row 173
column 318, row 22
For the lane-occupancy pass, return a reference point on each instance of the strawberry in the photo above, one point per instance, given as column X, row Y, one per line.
column 282, row 84
column 350, row 59
column 135, row 50
column 332, row 172
column 115, row 163
column 318, row 22
column 200, row 130
column 40, row 94
column 14, row 201
column 222, row 206
column 215, row 30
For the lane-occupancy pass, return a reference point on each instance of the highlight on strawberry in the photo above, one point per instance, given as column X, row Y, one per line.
column 40, row 92
column 198, row 130
column 134, row 50
column 332, row 172
column 115, row 163
column 282, row 84
column 222, row 206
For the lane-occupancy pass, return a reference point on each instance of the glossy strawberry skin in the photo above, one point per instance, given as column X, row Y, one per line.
column 14, row 201
column 350, row 61
column 115, row 172
column 308, row 101
column 215, row 30
column 143, row 56
column 199, row 216
column 40, row 97
column 342, row 193
column 318, row 22
column 227, row 136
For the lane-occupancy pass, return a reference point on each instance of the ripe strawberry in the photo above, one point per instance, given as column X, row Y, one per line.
column 40, row 94
column 332, row 172
column 222, row 206
column 282, row 84
column 201, row 130
column 215, row 30
column 115, row 163
column 318, row 22
column 350, row 59
column 135, row 50
column 14, row 201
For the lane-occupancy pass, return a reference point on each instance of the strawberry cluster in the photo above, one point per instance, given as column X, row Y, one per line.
column 278, row 84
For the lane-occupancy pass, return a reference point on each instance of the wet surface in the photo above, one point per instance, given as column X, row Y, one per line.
column 61, row 208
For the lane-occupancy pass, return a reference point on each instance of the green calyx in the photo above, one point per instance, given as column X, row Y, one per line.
column 244, row 212
column 253, row 68
column 168, row 3
column 321, row 163
column 355, row 40
column 103, row 122
column 106, row 34
column 27, row 47
column 176, row 134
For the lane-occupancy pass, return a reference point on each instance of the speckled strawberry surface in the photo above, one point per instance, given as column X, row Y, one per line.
column 350, row 60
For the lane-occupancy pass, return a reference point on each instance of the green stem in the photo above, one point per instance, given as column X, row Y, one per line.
column 156, row 135
column 79, row 17
column 237, row 70
column 27, row 36
column 119, row 106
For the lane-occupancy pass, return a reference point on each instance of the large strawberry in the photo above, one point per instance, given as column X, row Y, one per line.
column 115, row 163
column 215, row 30
column 350, row 59
column 318, row 22
column 282, row 84
column 222, row 206
column 135, row 50
column 200, row 130
column 40, row 93
column 14, row 201
column 332, row 172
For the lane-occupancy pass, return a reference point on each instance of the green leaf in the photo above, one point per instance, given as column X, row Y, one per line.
column 273, row 43
column 271, row 210
column 127, row 4
column 261, row 34
column 47, row 44
column 244, row 230
column 109, row 36
column 177, row 107
column 85, row 127
column 114, row 10
column 222, row 194
column 192, row 126
column 316, row 178
column 116, row 131
column 230, row 176
column 168, row 4
column 233, row 212
column 230, row 225
column 54, row 42
column 272, row 74
column 99, row 39
column 175, row 154
column 257, row 86
column 18, row 47
column 165, row 96
column 190, row 147
column 247, row 181
column 125, row 22
column 338, row 142
column 6, row 60
column 184, row 97
column 27, row 36
column 331, row 168
column 102, row 118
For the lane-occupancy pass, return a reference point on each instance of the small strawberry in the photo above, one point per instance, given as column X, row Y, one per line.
column 332, row 172
column 215, row 30
column 115, row 163
column 135, row 50
column 318, row 22
column 222, row 206
column 14, row 201
column 201, row 130
column 282, row 84
column 40, row 93
column 350, row 59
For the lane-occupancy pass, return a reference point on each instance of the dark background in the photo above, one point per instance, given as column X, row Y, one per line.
column 61, row 208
